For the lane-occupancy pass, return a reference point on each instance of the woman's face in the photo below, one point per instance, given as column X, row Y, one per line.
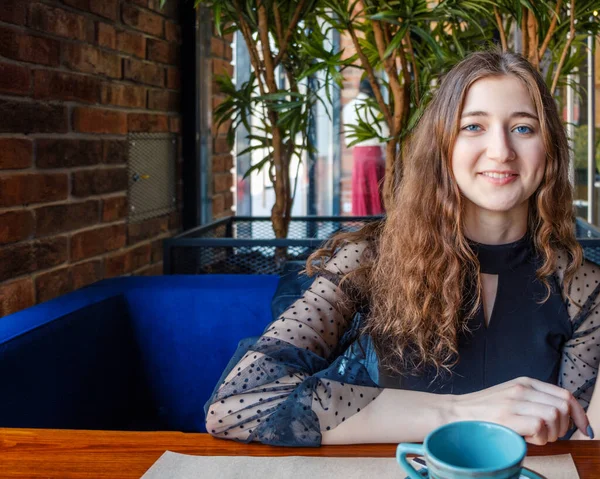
column 499, row 158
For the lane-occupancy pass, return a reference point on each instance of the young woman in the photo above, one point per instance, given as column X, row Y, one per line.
column 469, row 301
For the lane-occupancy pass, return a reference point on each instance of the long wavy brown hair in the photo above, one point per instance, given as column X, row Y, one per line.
column 418, row 260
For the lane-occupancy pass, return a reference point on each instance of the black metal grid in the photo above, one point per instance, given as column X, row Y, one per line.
column 246, row 245
column 151, row 165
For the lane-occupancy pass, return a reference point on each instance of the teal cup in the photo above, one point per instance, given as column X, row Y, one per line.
column 469, row 450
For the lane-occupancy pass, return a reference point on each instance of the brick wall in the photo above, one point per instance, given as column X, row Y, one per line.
column 222, row 159
column 75, row 77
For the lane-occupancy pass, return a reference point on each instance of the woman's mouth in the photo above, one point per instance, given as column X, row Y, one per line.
column 499, row 178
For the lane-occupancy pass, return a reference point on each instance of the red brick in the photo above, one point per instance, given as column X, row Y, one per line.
column 59, row 22
column 227, row 52
column 172, row 32
column 50, row 252
column 228, row 200
column 114, row 209
column 228, row 162
column 79, row 4
column 105, row 8
column 140, row 256
column 95, row 120
column 218, row 205
column 13, row 11
column 62, row 153
column 66, row 217
column 88, row 59
column 53, row 284
column 132, row 43
column 216, row 46
column 149, row 73
column 106, row 35
column 123, row 95
column 24, row 258
column 221, row 146
column 141, row 3
column 97, row 241
column 174, row 124
column 14, row 79
column 32, row 117
column 163, row 100
column 16, row 296
column 16, row 153
column 15, row 226
column 27, row 48
column 146, row 123
column 53, row 85
column 142, row 20
column 173, row 78
column 84, row 274
column 163, row 52
column 115, row 152
column 221, row 182
column 16, row 261
column 152, row 270
column 218, row 163
column 99, row 182
column 22, row 189
column 147, row 229
column 222, row 67
column 117, row 265
column 220, row 129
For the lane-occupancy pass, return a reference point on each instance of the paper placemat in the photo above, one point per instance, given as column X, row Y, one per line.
column 172, row 465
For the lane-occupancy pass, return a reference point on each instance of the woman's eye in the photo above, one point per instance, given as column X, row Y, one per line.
column 472, row 128
column 523, row 130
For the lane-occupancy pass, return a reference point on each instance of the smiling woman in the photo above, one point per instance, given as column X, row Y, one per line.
column 498, row 159
column 470, row 300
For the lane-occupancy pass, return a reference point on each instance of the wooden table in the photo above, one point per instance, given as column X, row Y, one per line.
column 66, row 454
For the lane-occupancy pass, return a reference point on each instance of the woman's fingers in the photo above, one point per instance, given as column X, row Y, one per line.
column 576, row 411
column 549, row 414
column 533, row 429
column 552, row 408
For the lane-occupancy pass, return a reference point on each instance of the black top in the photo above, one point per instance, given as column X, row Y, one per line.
column 296, row 381
column 523, row 338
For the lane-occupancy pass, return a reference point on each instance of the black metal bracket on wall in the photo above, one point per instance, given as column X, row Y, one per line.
column 196, row 105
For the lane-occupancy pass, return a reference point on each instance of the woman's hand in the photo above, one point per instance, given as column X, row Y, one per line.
column 538, row 411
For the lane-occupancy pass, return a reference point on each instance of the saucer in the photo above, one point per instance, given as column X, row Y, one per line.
column 423, row 473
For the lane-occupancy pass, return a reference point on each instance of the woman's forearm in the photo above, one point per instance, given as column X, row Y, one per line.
column 394, row 416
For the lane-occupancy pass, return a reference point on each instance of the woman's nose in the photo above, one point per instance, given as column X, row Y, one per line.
column 499, row 147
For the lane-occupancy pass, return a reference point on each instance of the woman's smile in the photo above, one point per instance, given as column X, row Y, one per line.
column 499, row 177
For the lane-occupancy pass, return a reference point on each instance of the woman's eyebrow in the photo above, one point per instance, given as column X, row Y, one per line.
column 516, row 114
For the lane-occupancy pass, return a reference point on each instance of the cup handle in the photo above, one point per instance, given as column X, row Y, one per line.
column 530, row 474
column 401, row 452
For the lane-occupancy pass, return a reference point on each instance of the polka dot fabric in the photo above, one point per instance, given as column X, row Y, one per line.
column 290, row 386
column 581, row 354
column 297, row 381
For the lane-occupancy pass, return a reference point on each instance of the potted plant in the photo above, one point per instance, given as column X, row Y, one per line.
column 403, row 47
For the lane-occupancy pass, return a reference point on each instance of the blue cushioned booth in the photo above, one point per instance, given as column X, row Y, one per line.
column 135, row 353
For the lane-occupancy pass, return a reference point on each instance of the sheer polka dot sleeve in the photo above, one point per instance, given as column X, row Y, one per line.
column 581, row 354
column 293, row 382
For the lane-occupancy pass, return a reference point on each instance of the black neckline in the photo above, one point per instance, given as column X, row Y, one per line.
column 496, row 259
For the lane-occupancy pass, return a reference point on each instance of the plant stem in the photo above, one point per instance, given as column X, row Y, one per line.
column 501, row 29
column 563, row 56
column 551, row 29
